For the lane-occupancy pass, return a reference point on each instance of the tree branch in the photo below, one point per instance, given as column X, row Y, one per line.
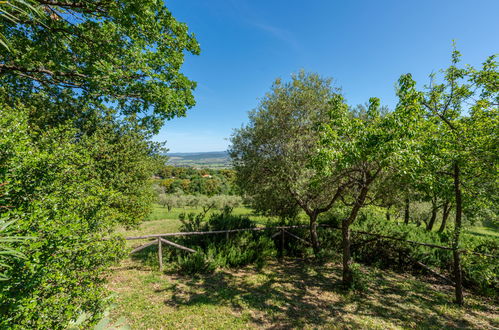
column 76, row 5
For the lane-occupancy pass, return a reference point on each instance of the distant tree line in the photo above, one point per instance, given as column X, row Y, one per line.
column 185, row 180
column 224, row 203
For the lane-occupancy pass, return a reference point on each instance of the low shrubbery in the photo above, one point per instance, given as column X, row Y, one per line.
column 254, row 247
column 218, row 250
column 480, row 272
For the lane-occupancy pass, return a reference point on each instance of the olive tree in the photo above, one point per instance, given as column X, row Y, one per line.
column 271, row 154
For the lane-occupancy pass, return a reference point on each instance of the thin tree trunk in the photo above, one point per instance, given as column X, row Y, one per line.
column 434, row 210
column 445, row 215
column 388, row 213
column 347, row 256
column 458, row 276
column 406, row 211
column 345, row 228
column 313, row 232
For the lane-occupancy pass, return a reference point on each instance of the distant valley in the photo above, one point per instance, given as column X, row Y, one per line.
column 210, row 159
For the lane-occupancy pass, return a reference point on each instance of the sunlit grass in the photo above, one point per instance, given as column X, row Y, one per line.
column 294, row 294
column 484, row 231
column 159, row 213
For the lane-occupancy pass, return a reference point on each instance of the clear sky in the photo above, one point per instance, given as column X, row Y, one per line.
column 365, row 45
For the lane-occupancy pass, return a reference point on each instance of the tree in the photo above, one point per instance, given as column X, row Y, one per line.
column 83, row 86
column 226, row 203
column 168, row 200
column 464, row 108
column 12, row 11
column 368, row 150
column 121, row 57
column 58, row 194
column 429, row 184
column 271, row 155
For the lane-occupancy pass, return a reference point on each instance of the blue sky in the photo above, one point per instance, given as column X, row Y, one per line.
column 364, row 45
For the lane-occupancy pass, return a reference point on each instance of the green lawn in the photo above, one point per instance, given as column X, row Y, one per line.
column 159, row 213
column 484, row 231
column 295, row 294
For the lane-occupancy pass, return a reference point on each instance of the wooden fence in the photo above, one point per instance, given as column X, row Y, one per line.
column 159, row 240
column 282, row 230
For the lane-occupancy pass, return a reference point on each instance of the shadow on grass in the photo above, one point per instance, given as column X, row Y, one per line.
column 299, row 293
column 295, row 294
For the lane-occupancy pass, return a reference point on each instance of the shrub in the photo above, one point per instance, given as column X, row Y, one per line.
column 66, row 191
column 479, row 272
column 216, row 251
column 195, row 263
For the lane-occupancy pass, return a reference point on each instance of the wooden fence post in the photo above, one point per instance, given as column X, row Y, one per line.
column 160, row 254
column 281, row 246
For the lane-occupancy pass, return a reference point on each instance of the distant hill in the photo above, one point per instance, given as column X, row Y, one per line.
column 210, row 159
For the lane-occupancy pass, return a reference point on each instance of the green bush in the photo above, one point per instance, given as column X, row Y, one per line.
column 479, row 272
column 218, row 250
column 65, row 191
column 195, row 263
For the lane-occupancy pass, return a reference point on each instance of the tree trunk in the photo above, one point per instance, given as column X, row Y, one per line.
column 313, row 232
column 345, row 228
column 434, row 210
column 458, row 276
column 406, row 211
column 347, row 256
column 387, row 214
column 445, row 215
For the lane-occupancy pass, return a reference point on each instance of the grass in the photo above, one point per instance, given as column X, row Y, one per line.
column 153, row 227
column 292, row 294
column 484, row 231
column 159, row 213
column 163, row 221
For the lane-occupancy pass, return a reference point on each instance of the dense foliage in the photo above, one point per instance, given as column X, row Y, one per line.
column 65, row 198
column 83, row 85
column 188, row 180
column 77, row 56
column 217, row 251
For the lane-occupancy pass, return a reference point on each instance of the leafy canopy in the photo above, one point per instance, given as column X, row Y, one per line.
column 272, row 153
column 124, row 56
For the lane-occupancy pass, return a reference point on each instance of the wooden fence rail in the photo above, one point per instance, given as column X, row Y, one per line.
column 283, row 229
column 189, row 233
